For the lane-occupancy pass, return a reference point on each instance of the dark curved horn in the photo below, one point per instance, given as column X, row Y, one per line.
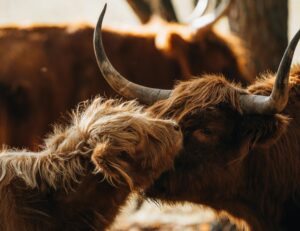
column 120, row 84
column 207, row 20
column 199, row 10
column 142, row 9
column 276, row 102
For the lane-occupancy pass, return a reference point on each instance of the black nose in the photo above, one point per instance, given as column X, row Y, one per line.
column 176, row 127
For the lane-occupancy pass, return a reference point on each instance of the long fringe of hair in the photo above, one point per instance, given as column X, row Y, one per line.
column 60, row 162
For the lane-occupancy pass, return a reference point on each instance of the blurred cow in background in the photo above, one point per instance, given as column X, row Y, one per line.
column 46, row 70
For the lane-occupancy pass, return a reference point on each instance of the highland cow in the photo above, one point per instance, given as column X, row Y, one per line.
column 86, row 170
column 241, row 151
column 46, row 70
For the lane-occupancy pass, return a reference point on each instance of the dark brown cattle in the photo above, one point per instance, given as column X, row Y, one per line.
column 241, row 149
column 86, row 170
column 46, row 70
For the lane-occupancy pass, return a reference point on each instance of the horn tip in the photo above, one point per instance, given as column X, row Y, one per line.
column 100, row 20
column 103, row 10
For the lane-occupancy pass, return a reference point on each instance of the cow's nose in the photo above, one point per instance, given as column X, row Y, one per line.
column 176, row 127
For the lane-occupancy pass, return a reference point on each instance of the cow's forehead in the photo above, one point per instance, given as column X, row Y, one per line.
column 205, row 93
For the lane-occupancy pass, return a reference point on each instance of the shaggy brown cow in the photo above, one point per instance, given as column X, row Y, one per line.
column 241, row 146
column 86, row 170
column 46, row 70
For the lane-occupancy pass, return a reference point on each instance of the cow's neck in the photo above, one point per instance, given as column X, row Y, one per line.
column 94, row 201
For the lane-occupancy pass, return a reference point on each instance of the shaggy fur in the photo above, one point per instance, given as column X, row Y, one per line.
column 86, row 170
column 36, row 60
column 247, row 166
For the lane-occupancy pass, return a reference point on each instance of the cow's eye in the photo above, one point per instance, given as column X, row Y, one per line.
column 207, row 131
column 125, row 156
column 203, row 134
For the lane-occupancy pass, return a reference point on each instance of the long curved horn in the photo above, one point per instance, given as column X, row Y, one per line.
column 165, row 9
column 120, row 84
column 207, row 20
column 276, row 102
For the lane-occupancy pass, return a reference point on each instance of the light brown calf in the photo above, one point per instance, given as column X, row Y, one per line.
column 87, row 169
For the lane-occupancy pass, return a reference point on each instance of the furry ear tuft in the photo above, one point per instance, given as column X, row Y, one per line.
column 109, row 161
column 264, row 130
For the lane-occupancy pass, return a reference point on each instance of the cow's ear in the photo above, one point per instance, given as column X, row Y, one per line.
column 175, row 47
column 112, row 162
column 264, row 130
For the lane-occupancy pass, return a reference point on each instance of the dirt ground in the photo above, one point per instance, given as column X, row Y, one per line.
column 150, row 216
